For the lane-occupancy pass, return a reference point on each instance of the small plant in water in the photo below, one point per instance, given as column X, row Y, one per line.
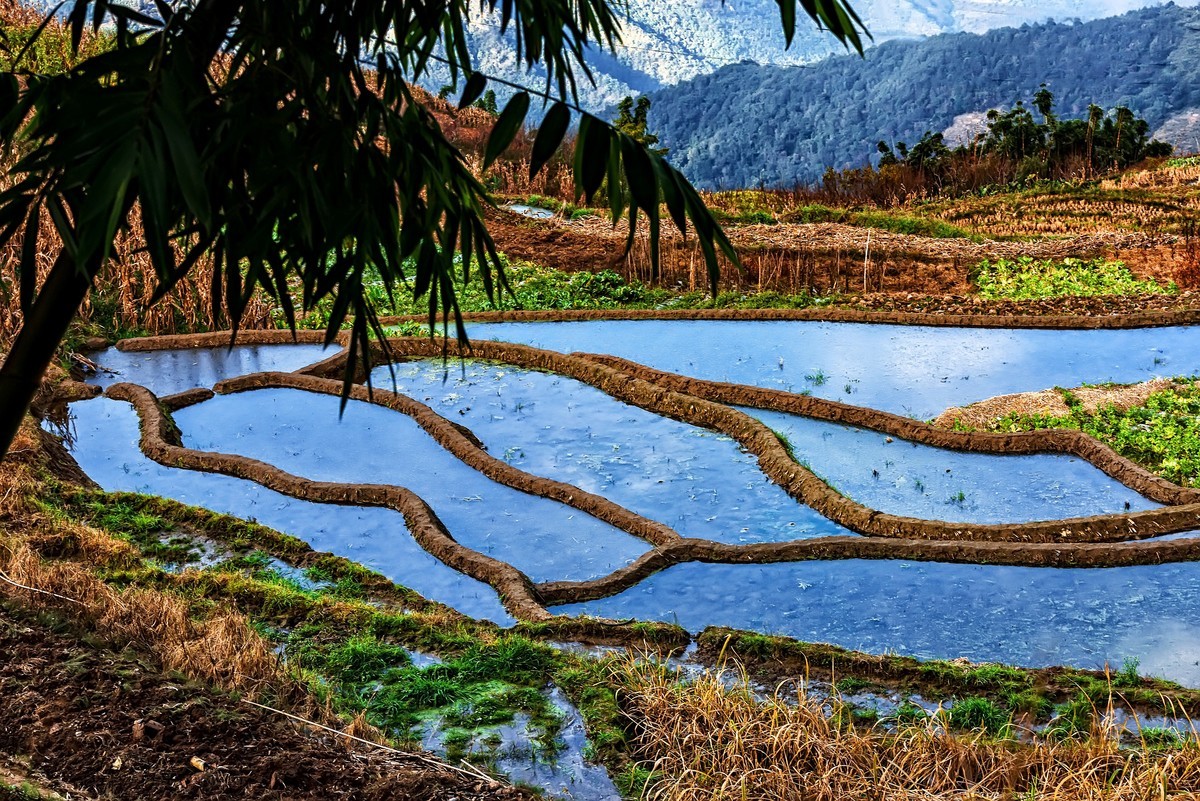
column 816, row 379
column 1128, row 676
column 907, row 713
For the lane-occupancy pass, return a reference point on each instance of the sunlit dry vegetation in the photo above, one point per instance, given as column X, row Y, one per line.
column 707, row 740
column 1155, row 201
column 119, row 302
column 222, row 648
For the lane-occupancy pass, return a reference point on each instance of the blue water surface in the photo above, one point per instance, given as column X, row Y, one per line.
column 918, row 371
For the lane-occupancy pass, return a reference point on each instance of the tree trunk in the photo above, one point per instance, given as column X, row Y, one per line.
column 41, row 332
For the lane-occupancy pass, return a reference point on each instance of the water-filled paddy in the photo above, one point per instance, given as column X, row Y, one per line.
column 165, row 372
column 917, row 371
column 697, row 481
column 300, row 432
column 906, row 478
column 105, row 445
column 1023, row 616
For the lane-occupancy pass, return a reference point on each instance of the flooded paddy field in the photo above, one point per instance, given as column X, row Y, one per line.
column 917, row 371
column 696, row 481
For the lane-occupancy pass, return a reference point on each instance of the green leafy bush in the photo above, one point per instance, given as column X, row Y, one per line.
column 1163, row 434
column 1029, row 279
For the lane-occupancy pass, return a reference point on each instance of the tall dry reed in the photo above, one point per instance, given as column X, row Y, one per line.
column 223, row 649
column 704, row 740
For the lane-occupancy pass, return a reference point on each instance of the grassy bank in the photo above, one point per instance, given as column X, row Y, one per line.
column 359, row 647
column 1162, row 434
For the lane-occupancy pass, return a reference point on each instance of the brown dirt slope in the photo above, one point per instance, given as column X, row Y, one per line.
column 822, row 258
column 112, row 725
column 1050, row 402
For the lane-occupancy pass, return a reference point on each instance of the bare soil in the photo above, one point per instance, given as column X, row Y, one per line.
column 83, row 717
column 1050, row 402
column 826, row 257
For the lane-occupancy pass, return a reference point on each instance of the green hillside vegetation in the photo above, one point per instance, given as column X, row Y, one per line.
column 750, row 125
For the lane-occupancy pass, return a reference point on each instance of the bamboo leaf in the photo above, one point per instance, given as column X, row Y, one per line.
column 476, row 83
column 506, row 127
column 787, row 16
column 549, row 137
column 595, row 156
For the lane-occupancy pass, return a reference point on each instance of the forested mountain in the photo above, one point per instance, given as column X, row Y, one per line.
column 666, row 41
column 750, row 124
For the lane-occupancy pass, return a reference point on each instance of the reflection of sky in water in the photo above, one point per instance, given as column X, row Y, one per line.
column 913, row 370
column 697, row 481
column 1020, row 615
column 165, row 372
column 106, row 435
column 1026, row 616
column 300, row 432
column 906, row 478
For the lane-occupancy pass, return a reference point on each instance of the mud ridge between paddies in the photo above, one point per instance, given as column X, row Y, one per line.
column 1104, row 540
column 981, row 414
column 1145, row 311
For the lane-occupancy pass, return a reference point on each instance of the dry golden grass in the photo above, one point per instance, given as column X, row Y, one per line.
column 1055, row 215
column 222, row 649
column 120, row 300
column 1162, row 200
column 47, row 562
column 707, row 741
column 1165, row 178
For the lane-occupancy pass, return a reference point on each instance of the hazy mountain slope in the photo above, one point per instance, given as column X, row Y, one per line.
column 748, row 124
column 667, row 41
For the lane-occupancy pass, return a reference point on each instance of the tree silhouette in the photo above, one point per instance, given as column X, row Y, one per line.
column 633, row 122
column 283, row 139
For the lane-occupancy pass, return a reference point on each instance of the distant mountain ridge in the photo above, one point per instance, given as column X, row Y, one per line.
column 749, row 124
column 667, row 41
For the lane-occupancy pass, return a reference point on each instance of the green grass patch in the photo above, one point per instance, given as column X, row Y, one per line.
column 1030, row 279
column 537, row 288
column 1074, row 719
column 980, row 714
column 816, row 213
column 1163, row 434
column 904, row 224
column 473, row 691
column 881, row 220
column 1185, row 161
column 24, row 791
column 354, row 653
column 533, row 288
column 744, row 217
